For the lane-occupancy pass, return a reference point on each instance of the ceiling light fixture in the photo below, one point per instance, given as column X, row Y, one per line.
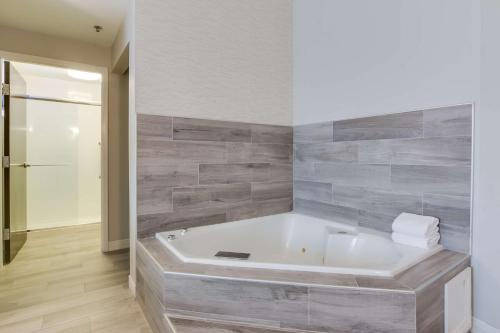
column 86, row 76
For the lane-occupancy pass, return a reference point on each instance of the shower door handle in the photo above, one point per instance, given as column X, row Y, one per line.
column 26, row 165
column 20, row 165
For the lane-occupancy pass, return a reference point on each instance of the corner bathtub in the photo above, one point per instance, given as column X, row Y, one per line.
column 295, row 242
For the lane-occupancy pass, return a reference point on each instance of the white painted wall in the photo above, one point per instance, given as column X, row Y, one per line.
column 486, row 247
column 219, row 59
column 355, row 58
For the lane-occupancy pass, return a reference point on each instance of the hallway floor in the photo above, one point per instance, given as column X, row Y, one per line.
column 61, row 282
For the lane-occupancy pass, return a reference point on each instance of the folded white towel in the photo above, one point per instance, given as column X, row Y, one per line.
column 415, row 225
column 422, row 242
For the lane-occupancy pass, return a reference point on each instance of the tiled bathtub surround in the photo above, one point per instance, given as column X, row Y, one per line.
column 197, row 298
column 366, row 171
column 194, row 172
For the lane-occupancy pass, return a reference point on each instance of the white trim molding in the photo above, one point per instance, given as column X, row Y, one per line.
column 481, row 327
column 118, row 245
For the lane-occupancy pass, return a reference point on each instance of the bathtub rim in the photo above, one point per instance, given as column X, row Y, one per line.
column 154, row 254
column 299, row 268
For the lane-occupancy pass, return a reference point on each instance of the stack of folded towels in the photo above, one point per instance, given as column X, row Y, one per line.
column 416, row 230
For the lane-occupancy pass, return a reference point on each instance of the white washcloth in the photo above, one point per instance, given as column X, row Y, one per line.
column 415, row 225
column 422, row 242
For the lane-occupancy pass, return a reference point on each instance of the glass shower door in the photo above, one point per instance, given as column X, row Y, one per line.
column 15, row 164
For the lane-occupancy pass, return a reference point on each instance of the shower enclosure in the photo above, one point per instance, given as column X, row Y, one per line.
column 52, row 137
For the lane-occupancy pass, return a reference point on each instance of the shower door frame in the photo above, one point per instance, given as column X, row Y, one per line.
column 13, row 57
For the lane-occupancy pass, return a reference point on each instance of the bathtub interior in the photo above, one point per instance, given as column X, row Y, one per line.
column 295, row 242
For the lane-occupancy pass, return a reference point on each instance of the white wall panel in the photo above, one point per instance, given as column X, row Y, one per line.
column 222, row 59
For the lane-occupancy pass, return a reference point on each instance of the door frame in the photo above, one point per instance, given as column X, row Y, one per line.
column 19, row 57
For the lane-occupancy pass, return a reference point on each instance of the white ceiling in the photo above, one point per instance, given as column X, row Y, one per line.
column 66, row 18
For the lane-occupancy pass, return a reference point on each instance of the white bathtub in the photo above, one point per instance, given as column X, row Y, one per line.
column 295, row 242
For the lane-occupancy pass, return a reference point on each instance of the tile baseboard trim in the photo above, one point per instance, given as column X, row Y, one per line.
column 131, row 285
column 118, row 244
column 481, row 327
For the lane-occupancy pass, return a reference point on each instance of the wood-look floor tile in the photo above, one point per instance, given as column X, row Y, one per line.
column 61, row 282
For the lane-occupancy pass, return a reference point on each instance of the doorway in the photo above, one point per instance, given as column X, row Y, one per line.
column 53, row 150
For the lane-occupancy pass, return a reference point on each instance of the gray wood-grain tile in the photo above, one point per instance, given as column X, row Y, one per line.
column 284, row 304
column 152, row 307
column 186, row 165
column 281, row 172
column 385, row 165
column 154, row 173
column 372, row 282
column 149, row 224
column 449, row 151
column 374, row 151
column 259, row 152
column 197, row 326
column 152, row 126
column 211, row 196
column 233, row 173
column 310, row 133
column 454, row 214
column 272, row 153
column 434, row 267
column 155, row 181
column 455, row 151
column 362, row 311
column 430, row 307
column 376, row 220
column 431, row 179
column 448, row 121
column 331, row 212
column 455, row 238
column 316, row 191
column 453, row 210
column 220, row 318
column 369, row 175
column 410, row 303
column 374, row 200
column 326, row 152
column 430, row 300
column 271, row 134
column 210, row 130
column 151, row 273
column 272, row 190
column 256, row 209
column 182, row 152
column 391, row 126
column 154, row 199
column 304, row 171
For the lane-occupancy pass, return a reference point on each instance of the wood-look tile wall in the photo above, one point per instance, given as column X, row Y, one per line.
column 193, row 172
column 366, row 171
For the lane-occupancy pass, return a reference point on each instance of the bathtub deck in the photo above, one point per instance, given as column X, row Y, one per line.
column 228, row 299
